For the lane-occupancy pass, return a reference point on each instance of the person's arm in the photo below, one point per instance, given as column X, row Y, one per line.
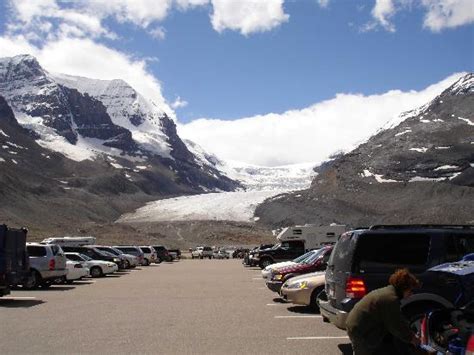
column 396, row 323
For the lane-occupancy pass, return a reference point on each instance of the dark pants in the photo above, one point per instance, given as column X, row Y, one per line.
column 388, row 346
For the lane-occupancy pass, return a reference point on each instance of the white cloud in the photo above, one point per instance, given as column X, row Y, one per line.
column 440, row 14
column 158, row 33
column 187, row 4
column 179, row 103
column 448, row 14
column 307, row 135
column 248, row 16
column 323, row 3
column 382, row 12
column 83, row 57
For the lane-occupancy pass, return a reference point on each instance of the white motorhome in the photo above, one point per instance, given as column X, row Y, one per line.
column 70, row 241
column 313, row 236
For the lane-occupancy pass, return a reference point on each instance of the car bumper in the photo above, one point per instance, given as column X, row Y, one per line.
column 77, row 274
column 275, row 286
column 335, row 316
column 296, row 296
column 53, row 274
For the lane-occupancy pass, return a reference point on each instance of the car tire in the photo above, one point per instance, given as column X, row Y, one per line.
column 210, row 257
column 127, row 264
column 159, row 260
column 264, row 263
column 69, row 282
column 46, row 284
column 33, row 281
column 96, row 271
column 415, row 313
column 192, row 256
column 146, row 262
column 314, row 297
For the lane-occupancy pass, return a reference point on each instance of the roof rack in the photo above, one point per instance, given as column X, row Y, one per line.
column 427, row 226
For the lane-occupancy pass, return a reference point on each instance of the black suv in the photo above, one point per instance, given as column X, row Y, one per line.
column 162, row 254
column 364, row 259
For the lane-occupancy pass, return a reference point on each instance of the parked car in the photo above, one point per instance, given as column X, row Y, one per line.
column 175, row 254
column 96, row 254
column 162, row 253
column 304, row 289
column 364, row 259
column 47, row 264
column 220, row 254
column 14, row 261
column 130, row 261
column 132, row 250
column 202, row 252
column 75, row 271
column 316, row 262
column 250, row 258
column 97, row 268
column 268, row 270
column 239, row 253
column 149, row 255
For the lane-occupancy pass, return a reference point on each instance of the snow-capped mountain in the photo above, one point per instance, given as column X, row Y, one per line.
column 258, row 178
column 89, row 119
column 418, row 169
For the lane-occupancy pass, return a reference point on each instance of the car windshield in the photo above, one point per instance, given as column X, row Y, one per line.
column 301, row 258
column 312, row 258
column 111, row 251
column 85, row 257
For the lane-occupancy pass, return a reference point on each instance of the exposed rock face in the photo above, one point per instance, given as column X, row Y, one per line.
column 90, row 119
column 419, row 169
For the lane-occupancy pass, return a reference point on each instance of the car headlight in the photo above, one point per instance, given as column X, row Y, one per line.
column 277, row 277
column 110, row 264
column 117, row 260
column 298, row 285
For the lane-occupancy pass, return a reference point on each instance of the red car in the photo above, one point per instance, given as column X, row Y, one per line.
column 317, row 262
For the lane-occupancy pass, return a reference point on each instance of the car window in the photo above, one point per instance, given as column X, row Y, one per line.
column 457, row 246
column 207, row 249
column 146, row 250
column 85, row 257
column 303, row 257
column 73, row 257
column 56, row 250
column 316, row 255
column 36, row 250
column 376, row 251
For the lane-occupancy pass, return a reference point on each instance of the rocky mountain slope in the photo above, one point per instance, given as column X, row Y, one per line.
column 75, row 150
column 417, row 169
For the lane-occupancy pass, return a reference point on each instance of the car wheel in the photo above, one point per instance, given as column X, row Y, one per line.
column 415, row 313
column 46, row 284
column 314, row 296
column 210, row 257
column 192, row 256
column 69, row 282
column 33, row 281
column 146, row 262
column 159, row 260
column 201, row 257
column 264, row 263
column 96, row 271
column 127, row 264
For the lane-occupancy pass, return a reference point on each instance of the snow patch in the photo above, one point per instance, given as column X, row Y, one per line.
column 117, row 166
column 2, row 160
column 16, row 145
column 422, row 178
column 468, row 121
column 14, row 161
column 4, row 134
column 446, row 167
column 379, row 178
column 419, row 150
column 404, row 132
column 442, row 148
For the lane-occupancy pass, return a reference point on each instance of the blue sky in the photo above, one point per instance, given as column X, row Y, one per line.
column 317, row 54
column 238, row 67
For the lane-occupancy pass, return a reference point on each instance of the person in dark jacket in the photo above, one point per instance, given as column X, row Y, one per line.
column 376, row 325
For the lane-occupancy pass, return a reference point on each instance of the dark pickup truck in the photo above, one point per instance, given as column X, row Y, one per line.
column 14, row 264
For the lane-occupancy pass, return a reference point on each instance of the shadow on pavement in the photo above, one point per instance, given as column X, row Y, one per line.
column 19, row 303
column 302, row 310
column 80, row 283
column 54, row 288
column 278, row 300
column 346, row 349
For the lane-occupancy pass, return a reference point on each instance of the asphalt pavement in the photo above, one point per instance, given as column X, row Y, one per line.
column 185, row 307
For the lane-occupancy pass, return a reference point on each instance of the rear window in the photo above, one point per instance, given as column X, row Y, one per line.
column 36, row 250
column 207, row 249
column 457, row 246
column 56, row 250
column 146, row 250
column 375, row 251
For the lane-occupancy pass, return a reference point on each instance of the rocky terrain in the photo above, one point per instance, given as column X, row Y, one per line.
column 86, row 153
column 417, row 169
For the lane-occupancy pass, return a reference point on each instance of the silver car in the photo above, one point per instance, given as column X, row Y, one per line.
column 47, row 264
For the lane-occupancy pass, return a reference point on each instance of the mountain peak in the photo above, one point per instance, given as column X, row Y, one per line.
column 464, row 85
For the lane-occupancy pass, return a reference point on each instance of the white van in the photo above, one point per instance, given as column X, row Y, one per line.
column 313, row 236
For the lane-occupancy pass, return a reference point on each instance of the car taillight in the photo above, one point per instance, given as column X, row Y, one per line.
column 470, row 345
column 423, row 335
column 52, row 264
column 78, row 266
column 355, row 288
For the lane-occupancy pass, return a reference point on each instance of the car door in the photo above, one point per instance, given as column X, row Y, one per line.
column 59, row 257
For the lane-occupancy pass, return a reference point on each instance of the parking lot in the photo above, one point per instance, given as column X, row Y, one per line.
column 190, row 306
